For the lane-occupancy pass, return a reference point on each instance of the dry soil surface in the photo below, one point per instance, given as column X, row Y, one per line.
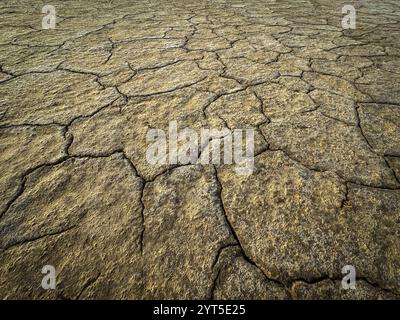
column 77, row 192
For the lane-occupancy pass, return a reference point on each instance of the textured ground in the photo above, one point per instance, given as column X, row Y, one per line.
column 76, row 191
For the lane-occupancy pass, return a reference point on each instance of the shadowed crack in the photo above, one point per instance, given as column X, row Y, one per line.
column 24, row 176
column 232, row 230
column 178, row 87
column 24, row 241
column 88, row 284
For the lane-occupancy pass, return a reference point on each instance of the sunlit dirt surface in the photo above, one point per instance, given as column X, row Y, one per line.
column 77, row 191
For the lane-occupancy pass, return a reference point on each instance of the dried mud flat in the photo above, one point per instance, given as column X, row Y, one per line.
column 77, row 192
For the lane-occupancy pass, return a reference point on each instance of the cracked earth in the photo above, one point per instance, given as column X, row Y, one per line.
column 77, row 192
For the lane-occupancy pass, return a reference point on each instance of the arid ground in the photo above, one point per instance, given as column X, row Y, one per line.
column 76, row 189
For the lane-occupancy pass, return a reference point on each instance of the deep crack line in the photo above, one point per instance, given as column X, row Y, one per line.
column 232, row 230
column 39, row 237
column 24, row 176
column 178, row 87
column 88, row 283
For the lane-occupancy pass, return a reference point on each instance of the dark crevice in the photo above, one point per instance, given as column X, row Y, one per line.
column 233, row 232
column 25, row 241
column 88, row 283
